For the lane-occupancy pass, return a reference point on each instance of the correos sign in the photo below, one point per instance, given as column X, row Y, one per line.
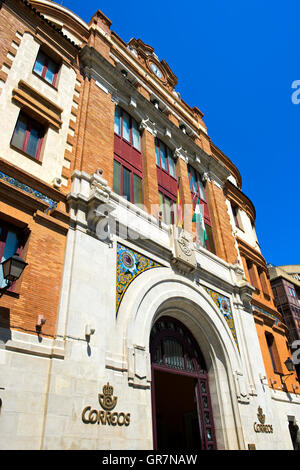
column 106, row 415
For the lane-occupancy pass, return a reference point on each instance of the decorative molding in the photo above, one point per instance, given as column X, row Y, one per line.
column 33, row 101
column 184, row 258
column 145, row 55
column 149, row 126
column 33, row 192
column 275, row 319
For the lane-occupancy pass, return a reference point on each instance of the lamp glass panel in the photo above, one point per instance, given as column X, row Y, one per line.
column 11, row 245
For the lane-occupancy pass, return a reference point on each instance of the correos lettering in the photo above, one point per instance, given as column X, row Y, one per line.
column 105, row 416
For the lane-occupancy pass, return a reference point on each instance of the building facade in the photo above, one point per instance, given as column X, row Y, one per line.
column 155, row 333
column 285, row 283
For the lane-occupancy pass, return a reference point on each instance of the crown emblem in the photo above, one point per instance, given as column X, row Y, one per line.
column 261, row 416
column 106, row 399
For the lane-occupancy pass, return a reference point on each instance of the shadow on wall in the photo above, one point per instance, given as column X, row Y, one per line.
column 5, row 333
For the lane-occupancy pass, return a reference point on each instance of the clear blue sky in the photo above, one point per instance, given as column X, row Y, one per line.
column 236, row 61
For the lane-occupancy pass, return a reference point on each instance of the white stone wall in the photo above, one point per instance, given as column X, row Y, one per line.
column 54, row 143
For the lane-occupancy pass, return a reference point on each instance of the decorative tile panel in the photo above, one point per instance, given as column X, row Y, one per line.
column 276, row 319
column 223, row 304
column 129, row 265
column 33, row 192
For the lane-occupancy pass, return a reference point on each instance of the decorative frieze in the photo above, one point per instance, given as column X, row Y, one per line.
column 33, row 192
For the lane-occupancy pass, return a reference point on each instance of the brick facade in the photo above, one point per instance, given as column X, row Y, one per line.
column 71, row 278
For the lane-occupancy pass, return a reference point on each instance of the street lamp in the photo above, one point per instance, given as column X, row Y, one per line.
column 290, row 367
column 13, row 267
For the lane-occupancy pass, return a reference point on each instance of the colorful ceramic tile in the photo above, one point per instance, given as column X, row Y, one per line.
column 223, row 304
column 277, row 320
column 17, row 184
column 129, row 265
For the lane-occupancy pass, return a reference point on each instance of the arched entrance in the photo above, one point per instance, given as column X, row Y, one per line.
column 181, row 407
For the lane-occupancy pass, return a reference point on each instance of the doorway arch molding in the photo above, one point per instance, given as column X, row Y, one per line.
column 162, row 292
column 153, row 292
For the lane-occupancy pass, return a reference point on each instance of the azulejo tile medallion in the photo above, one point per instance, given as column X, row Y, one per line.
column 130, row 264
column 17, row 184
column 223, row 304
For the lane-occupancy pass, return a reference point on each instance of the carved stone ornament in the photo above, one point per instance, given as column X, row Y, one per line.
column 160, row 69
column 183, row 254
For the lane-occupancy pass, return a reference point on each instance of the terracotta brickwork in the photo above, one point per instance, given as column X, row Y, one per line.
column 149, row 173
column 222, row 229
column 38, row 290
column 11, row 31
column 265, row 325
column 272, row 333
column 95, row 144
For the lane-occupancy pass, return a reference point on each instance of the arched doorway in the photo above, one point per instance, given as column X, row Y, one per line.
column 181, row 407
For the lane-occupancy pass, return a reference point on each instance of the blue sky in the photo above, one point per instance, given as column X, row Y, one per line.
column 236, row 61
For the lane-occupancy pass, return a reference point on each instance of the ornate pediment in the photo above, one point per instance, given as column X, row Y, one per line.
column 160, row 69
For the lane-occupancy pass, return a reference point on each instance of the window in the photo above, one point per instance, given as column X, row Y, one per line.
column 198, row 192
column 11, row 242
column 166, row 205
column 236, row 216
column 128, row 170
column 251, row 271
column 28, row 136
column 273, row 352
column 196, row 185
column 127, row 128
column 263, row 280
column 164, row 158
column 127, row 183
column 46, row 68
column 166, row 180
column 292, row 292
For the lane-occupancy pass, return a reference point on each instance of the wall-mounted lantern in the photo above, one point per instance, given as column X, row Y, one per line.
column 13, row 268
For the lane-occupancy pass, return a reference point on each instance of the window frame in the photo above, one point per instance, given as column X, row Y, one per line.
column 133, row 171
column 292, row 292
column 207, row 222
column 132, row 121
column 47, row 59
column 236, row 216
column 273, row 352
column 30, row 124
column 173, row 202
column 168, row 153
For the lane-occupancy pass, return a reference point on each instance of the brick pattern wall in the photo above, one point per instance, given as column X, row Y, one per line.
column 94, row 139
column 149, row 173
column 39, row 287
column 263, row 326
column 222, row 229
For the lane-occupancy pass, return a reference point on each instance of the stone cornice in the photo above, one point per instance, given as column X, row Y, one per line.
column 16, row 7
column 251, row 253
column 227, row 162
column 29, row 98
